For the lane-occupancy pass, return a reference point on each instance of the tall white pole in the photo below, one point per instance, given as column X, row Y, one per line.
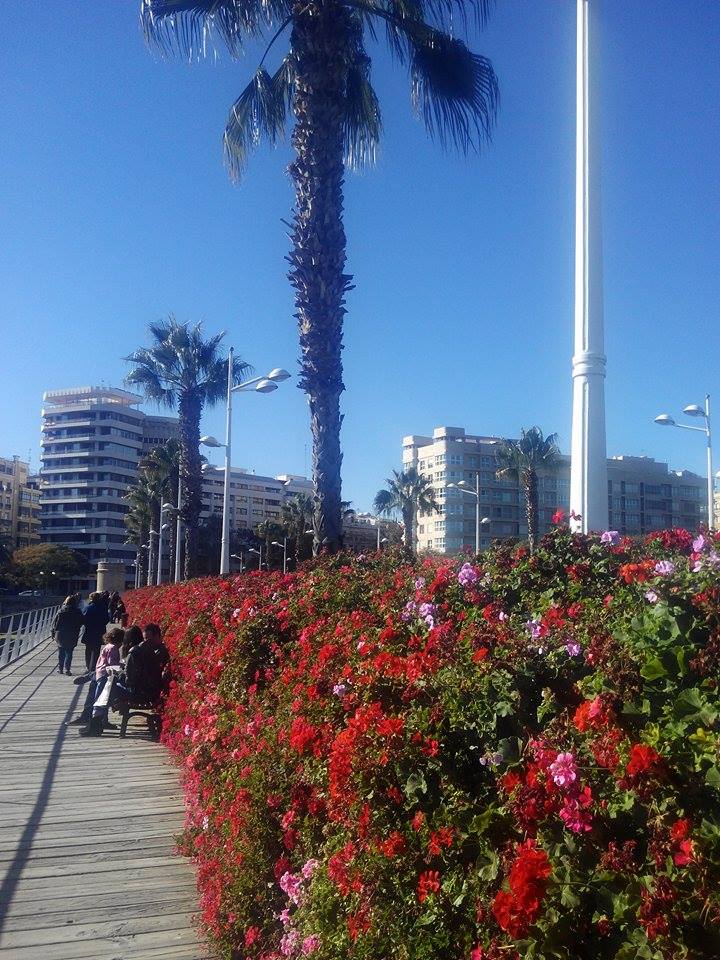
column 710, row 491
column 588, row 472
column 284, row 555
column 158, row 579
column 178, row 531
column 225, row 547
column 477, row 513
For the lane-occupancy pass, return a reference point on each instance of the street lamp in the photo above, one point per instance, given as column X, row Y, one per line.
column 464, row 487
column 259, row 553
column 235, row 556
column 153, row 533
column 694, row 410
column 165, row 508
column 276, row 543
column 265, row 384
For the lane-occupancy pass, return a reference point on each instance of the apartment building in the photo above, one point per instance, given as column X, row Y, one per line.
column 93, row 439
column 364, row 532
column 253, row 497
column 643, row 494
column 19, row 503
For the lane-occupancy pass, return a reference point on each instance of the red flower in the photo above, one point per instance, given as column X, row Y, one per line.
column 428, row 882
column 643, row 759
column 558, row 517
column 516, row 910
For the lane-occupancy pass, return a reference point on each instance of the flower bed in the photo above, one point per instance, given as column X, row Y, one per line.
column 449, row 761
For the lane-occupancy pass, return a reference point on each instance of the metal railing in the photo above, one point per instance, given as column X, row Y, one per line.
column 22, row 632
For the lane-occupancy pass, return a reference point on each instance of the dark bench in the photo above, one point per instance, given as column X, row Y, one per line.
column 140, row 708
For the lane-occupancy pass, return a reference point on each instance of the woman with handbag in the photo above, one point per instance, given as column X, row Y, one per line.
column 66, row 631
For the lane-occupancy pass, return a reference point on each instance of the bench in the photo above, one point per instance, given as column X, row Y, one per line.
column 139, row 708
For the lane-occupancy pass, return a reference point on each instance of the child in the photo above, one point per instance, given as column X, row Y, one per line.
column 109, row 656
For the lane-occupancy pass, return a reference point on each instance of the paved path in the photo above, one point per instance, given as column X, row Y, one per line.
column 86, row 832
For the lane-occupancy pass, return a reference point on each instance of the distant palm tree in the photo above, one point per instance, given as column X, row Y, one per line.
column 297, row 513
column 269, row 531
column 138, row 523
column 522, row 458
column 160, row 470
column 408, row 493
column 324, row 82
column 183, row 369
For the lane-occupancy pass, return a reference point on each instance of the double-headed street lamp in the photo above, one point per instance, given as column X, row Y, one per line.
column 694, row 410
column 464, row 487
column 259, row 553
column 264, row 384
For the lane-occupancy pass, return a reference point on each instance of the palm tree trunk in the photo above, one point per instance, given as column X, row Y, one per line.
column 530, row 487
column 408, row 516
column 317, row 259
column 190, row 409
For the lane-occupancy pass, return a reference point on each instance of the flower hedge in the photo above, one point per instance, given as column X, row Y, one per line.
column 514, row 757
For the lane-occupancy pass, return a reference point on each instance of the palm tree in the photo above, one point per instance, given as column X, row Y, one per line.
column 138, row 522
column 268, row 531
column 182, row 368
column 324, row 82
column 522, row 458
column 297, row 513
column 160, row 470
column 408, row 493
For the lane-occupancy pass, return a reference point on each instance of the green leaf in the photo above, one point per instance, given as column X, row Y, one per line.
column 692, row 706
column 653, row 669
column 568, row 898
column 415, row 784
column 712, row 777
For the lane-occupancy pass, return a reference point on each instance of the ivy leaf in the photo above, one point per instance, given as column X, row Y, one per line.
column 693, row 707
column 653, row 669
column 712, row 777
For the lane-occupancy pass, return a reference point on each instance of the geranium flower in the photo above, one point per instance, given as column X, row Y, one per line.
column 468, row 575
column 310, row 944
column 665, row 568
column 573, row 648
column 611, row 537
column 651, row 596
column 563, row 769
column 428, row 882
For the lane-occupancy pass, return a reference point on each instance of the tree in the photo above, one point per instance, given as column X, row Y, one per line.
column 138, row 522
column 268, row 531
column 156, row 483
column 522, row 458
column 408, row 493
column 324, row 81
column 297, row 513
column 210, row 544
column 182, row 368
column 47, row 564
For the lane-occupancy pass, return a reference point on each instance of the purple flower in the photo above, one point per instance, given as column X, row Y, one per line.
column 340, row 689
column 664, row 567
column 428, row 612
column 420, row 583
column 573, row 648
column 611, row 537
column 502, row 616
column 284, row 916
column 409, row 611
column 651, row 596
column 535, row 628
column 468, row 575
column 699, row 543
column 563, row 770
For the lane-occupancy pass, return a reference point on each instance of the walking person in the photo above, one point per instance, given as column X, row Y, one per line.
column 66, row 632
column 96, row 621
column 117, row 607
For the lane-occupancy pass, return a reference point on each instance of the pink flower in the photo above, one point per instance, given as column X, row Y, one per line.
column 575, row 813
column 291, row 885
column 611, row 537
column 664, row 567
column 288, row 944
column 309, row 868
column 563, row 769
column 651, row 596
column 310, row 944
column 573, row 648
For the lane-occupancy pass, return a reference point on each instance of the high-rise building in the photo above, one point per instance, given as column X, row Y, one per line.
column 253, row 498
column 643, row 494
column 93, row 439
column 19, row 506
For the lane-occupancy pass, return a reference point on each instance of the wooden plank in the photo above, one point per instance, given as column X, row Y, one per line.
column 87, row 863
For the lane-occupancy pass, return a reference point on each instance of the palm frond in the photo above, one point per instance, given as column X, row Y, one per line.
column 258, row 113
column 151, row 385
column 190, row 28
column 362, row 124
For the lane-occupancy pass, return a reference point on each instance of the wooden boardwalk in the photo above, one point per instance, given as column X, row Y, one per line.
column 87, row 868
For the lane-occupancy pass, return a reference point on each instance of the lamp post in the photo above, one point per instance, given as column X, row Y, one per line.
column 276, row 543
column 694, row 410
column 464, row 487
column 178, row 531
column 264, row 384
column 235, row 556
column 259, row 553
column 165, row 508
column 149, row 578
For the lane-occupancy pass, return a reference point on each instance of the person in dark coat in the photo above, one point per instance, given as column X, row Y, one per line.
column 66, row 631
column 96, row 621
column 117, row 607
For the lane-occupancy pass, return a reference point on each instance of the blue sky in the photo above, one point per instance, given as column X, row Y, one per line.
column 115, row 210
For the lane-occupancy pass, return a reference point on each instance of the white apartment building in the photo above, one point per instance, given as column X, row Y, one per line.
column 93, row 439
column 253, row 497
column 643, row 494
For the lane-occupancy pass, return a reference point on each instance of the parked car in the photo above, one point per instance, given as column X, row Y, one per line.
column 30, row 593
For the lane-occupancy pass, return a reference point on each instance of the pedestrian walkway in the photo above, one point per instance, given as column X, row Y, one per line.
column 87, row 868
